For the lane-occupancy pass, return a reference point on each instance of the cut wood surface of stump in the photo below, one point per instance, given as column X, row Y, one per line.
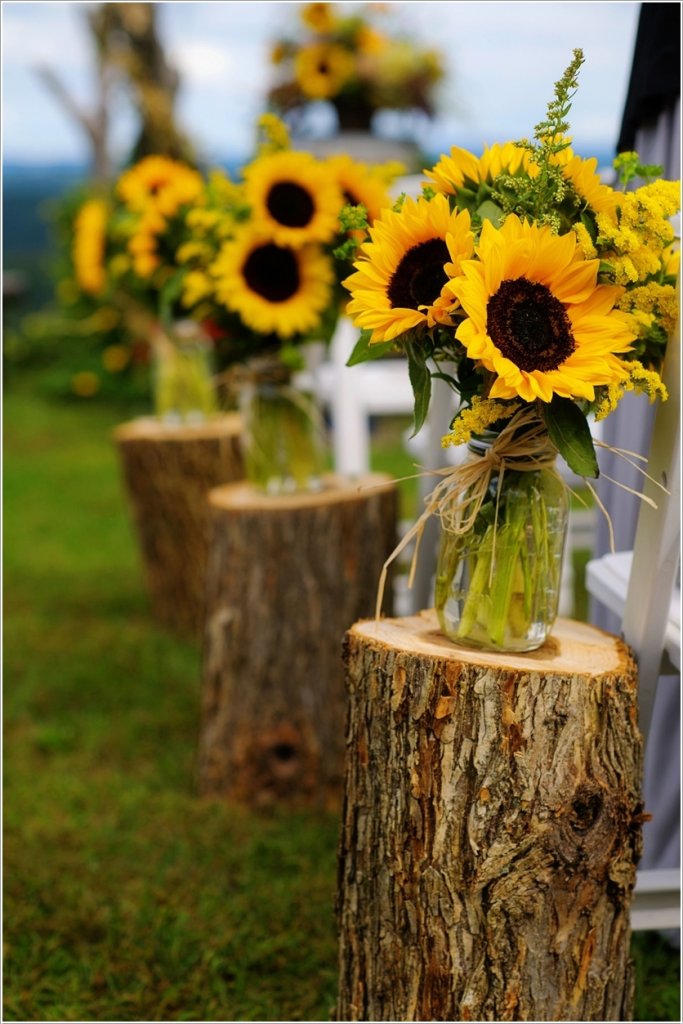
column 492, row 827
column 168, row 472
column 287, row 577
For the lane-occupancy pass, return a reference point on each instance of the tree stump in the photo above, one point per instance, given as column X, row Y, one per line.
column 287, row 577
column 168, row 472
column 491, row 831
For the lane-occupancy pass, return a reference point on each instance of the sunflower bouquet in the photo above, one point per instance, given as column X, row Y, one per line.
column 540, row 295
column 205, row 268
column 261, row 271
column 123, row 253
column 261, row 264
column 352, row 63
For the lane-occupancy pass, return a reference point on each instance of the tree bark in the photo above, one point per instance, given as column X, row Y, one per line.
column 168, row 473
column 491, row 831
column 287, row 576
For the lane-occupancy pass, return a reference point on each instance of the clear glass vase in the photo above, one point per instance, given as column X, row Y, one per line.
column 284, row 442
column 498, row 584
column 183, row 383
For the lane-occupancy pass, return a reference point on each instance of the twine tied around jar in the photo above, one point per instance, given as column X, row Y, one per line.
column 522, row 445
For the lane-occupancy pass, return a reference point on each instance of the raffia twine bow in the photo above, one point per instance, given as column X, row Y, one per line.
column 522, row 445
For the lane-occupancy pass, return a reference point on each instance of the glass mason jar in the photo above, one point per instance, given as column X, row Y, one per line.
column 283, row 435
column 183, row 374
column 498, row 584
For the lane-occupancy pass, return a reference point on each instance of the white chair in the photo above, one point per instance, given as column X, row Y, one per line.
column 355, row 394
column 640, row 586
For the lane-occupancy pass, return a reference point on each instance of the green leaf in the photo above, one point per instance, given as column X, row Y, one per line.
column 588, row 221
column 363, row 350
column 421, row 382
column 169, row 295
column 571, row 435
column 488, row 210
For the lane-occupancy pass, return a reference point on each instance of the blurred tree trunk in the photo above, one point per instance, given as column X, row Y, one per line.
column 94, row 122
column 138, row 52
column 127, row 46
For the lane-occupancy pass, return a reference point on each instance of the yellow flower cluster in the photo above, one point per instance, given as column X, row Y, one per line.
column 642, row 231
column 197, row 286
column 155, row 189
column 275, row 134
column 585, row 241
column 89, row 243
column 483, row 412
column 143, row 243
column 646, row 382
column 652, row 301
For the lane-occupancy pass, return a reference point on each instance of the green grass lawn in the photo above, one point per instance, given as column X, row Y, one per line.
column 127, row 897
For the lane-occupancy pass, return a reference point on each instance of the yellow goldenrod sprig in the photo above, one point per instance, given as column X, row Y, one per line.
column 646, row 382
column 273, row 135
column 482, row 413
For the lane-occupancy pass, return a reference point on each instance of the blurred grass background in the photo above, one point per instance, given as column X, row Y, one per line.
column 126, row 897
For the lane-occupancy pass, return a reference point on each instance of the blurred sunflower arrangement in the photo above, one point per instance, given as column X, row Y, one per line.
column 537, row 292
column 261, row 270
column 264, row 261
column 96, row 353
column 254, row 264
column 350, row 61
column 123, row 254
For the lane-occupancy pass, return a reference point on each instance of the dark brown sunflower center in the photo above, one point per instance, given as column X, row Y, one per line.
column 350, row 199
column 290, row 204
column 529, row 325
column 419, row 277
column 272, row 273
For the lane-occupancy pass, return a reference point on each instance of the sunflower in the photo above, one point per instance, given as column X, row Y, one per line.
column 453, row 172
column 89, row 244
column 143, row 244
column 293, row 198
column 159, row 183
column 401, row 274
column 275, row 289
column 318, row 17
column 359, row 183
column 587, row 184
column 322, row 70
column 536, row 316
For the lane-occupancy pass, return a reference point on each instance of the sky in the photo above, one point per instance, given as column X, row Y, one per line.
column 502, row 60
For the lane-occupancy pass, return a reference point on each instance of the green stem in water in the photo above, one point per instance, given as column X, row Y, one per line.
column 478, row 585
column 506, row 558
